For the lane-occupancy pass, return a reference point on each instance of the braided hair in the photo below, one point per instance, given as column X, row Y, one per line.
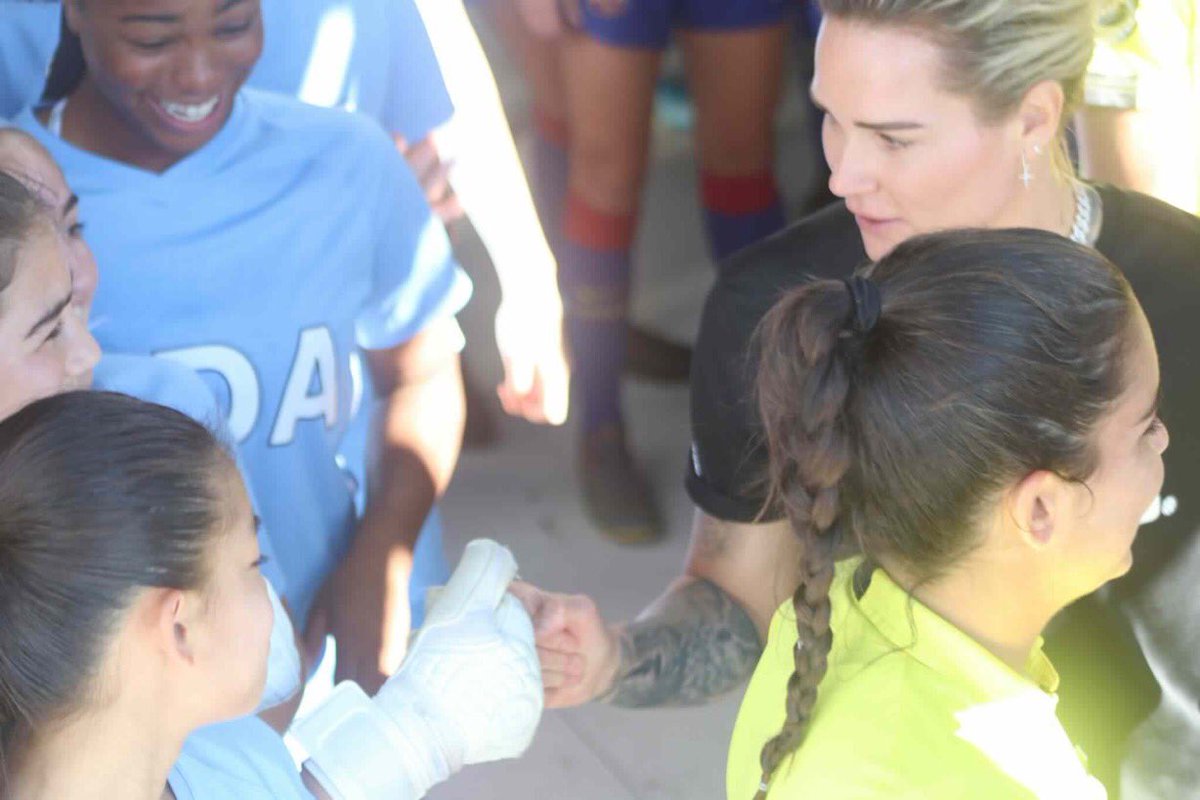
column 809, row 390
column 980, row 355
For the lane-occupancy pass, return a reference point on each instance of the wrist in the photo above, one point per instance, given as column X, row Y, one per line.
column 359, row 748
column 522, row 273
column 619, row 655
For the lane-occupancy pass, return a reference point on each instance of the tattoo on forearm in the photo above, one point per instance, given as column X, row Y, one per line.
column 697, row 645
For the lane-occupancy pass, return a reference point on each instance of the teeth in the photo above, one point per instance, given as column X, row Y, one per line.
column 190, row 113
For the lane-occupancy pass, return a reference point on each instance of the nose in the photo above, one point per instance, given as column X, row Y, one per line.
column 84, row 351
column 851, row 169
column 196, row 74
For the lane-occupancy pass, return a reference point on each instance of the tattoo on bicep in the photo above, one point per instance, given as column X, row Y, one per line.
column 699, row 644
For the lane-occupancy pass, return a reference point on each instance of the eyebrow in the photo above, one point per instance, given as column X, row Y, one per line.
column 50, row 315
column 162, row 18
column 897, row 125
column 72, row 201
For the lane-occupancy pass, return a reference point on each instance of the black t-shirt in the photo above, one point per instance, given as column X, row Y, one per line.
column 1158, row 248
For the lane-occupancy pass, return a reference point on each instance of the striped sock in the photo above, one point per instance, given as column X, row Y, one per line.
column 594, row 277
column 739, row 210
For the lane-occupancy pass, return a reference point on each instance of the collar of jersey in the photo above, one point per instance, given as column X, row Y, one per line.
column 102, row 172
column 924, row 635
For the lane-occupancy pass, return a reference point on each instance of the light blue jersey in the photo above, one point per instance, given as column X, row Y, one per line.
column 157, row 380
column 263, row 261
column 28, row 37
column 239, row 760
column 370, row 56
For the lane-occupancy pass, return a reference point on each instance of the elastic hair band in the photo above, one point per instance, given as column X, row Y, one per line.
column 864, row 294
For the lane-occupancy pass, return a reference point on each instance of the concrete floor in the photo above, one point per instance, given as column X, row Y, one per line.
column 523, row 493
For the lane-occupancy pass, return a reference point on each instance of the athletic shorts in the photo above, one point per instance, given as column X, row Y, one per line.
column 648, row 23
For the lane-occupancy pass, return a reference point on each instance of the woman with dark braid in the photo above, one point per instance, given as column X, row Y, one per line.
column 938, row 114
column 975, row 417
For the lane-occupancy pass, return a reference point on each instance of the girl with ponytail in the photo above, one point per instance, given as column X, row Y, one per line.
column 975, row 418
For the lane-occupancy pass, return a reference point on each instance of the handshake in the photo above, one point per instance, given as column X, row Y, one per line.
column 469, row 691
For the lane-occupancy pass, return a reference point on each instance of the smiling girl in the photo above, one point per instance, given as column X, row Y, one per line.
column 271, row 245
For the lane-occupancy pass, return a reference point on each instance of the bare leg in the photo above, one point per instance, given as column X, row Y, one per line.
column 735, row 79
column 610, row 92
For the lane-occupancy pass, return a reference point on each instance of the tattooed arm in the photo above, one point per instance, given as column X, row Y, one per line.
column 696, row 644
column 701, row 639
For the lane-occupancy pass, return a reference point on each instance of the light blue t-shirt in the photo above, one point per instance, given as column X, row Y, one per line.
column 263, row 261
column 370, row 56
column 239, row 760
column 166, row 383
column 28, row 37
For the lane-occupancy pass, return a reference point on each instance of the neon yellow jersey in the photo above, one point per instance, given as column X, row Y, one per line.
column 911, row 707
column 1148, row 58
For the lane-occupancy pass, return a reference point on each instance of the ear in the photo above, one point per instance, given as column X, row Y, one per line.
column 1040, row 115
column 168, row 617
column 1036, row 505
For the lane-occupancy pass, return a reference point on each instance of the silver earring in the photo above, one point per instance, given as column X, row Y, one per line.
column 1026, row 173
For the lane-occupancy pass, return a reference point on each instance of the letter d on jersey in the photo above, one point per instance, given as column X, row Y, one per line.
column 239, row 375
column 311, row 391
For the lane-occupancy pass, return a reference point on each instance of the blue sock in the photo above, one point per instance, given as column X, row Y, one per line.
column 739, row 210
column 594, row 278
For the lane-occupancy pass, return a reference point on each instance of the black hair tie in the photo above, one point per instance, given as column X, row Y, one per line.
column 864, row 294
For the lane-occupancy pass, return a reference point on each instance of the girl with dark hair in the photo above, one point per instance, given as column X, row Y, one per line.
column 155, row 380
column 45, row 346
column 976, row 417
column 134, row 613
column 44, row 277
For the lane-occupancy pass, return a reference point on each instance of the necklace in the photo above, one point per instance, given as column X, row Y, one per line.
column 1081, row 226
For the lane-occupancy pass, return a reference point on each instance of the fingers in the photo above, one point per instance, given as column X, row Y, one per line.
column 521, row 394
column 530, row 596
column 555, row 383
column 539, row 394
column 561, row 669
column 550, row 614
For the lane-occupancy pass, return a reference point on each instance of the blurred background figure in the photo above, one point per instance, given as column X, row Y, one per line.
column 1141, row 125
column 734, row 55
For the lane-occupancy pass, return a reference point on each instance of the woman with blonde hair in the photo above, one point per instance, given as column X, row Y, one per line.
column 938, row 114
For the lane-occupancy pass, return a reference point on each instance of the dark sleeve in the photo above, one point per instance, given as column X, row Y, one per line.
column 726, row 474
column 727, row 468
